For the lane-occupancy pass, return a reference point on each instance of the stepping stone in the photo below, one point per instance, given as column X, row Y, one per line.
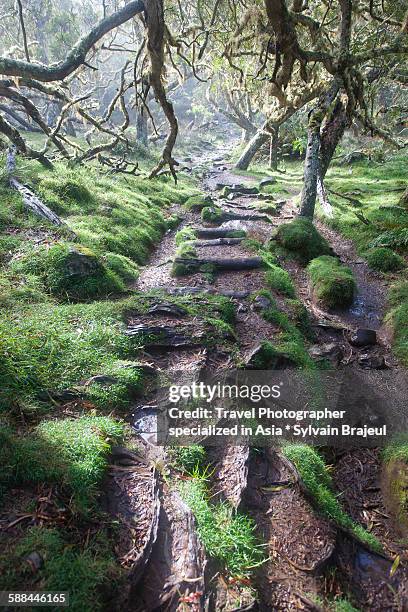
column 258, row 359
column 240, row 189
column 238, row 263
column 160, row 336
column 217, row 232
column 329, row 351
column 187, row 290
column 235, row 295
column 270, row 180
column 261, row 303
column 363, row 337
column 330, row 326
column 229, row 215
column 372, row 361
column 218, row 242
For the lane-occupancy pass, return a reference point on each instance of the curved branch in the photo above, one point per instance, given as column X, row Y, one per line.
column 15, row 137
column 155, row 46
column 76, row 57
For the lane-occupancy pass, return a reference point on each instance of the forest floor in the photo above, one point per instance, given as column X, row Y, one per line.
column 307, row 560
column 202, row 527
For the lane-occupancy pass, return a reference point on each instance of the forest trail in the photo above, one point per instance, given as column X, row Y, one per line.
column 301, row 544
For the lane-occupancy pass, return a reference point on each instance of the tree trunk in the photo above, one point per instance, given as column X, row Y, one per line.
column 404, row 199
column 273, row 152
column 245, row 136
column 332, row 134
column 312, row 160
column 70, row 128
column 141, row 127
column 311, row 171
column 260, row 138
column 20, row 120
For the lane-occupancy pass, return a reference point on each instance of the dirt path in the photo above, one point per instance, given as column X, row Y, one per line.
column 302, row 547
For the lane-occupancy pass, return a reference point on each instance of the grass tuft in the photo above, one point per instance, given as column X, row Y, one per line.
column 188, row 458
column 384, row 260
column 70, row 452
column 228, row 536
column 318, row 482
column 280, row 280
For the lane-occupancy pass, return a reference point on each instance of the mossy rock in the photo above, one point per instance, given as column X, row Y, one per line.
column 302, row 238
column 72, row 271
column 269, row 208
column 196, row 203
column 395, row 482
column 266, row 357
column 333, row 284
column 186, row 234
column 211, row 214
column 69, row 187
column 183, row 268
column 384, row 260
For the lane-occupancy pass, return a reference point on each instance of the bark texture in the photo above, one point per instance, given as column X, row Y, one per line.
column 260, row 138
column 312, row 160
column 155, row 46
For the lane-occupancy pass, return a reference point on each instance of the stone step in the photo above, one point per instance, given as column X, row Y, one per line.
column 237, row 263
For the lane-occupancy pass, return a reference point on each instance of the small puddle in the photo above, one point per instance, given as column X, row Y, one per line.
column 144, row 423
column 370, row 565
column 365, row 312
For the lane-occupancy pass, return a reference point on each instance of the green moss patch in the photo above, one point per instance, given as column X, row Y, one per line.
column 196, row 203
column 333, row 284
column 384, row 260
column 88, row 572
column 279, row 280
column 398, row 317
column 301, row 238
column 122, row 267
column 184, row 235
column 188, row 253
column 46, row 349
column 17, row 289
column 211, row 214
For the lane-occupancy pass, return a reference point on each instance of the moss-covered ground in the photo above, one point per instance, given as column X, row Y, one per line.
column 62, row 323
